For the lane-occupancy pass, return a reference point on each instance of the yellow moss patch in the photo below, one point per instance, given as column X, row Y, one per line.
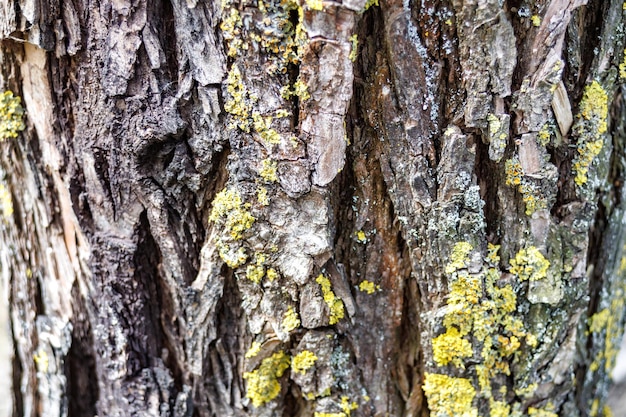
column 529, row 264
column 334, row 304
column 11, row 116
column 291, row 321
column 303, row 361
column 449, row 347
column 263, row 385
column 449, row 396
column 254, row 350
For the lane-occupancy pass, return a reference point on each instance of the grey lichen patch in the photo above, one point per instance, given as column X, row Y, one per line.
column 497, row 135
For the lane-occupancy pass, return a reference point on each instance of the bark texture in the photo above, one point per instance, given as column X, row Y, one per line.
column 326, row 209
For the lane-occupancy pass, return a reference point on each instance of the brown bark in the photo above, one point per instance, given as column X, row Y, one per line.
column 207, row 193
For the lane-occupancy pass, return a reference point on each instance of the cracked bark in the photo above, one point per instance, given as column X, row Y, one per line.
column 121, row 295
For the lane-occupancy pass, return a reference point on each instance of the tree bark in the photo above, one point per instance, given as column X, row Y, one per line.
column 324, row 209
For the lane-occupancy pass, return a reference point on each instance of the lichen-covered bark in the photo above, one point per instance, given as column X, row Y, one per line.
column 314, row 208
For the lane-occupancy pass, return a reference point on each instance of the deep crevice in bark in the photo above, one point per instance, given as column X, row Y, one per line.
column 80, row 367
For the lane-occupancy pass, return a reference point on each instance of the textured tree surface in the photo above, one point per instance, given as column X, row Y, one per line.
column 328, row 209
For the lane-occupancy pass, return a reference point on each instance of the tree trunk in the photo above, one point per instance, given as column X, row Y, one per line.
column 324, row 209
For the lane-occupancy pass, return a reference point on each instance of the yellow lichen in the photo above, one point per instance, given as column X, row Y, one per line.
column 232, row 257
column 370, row 3
column 254, row 350
column 268, row 170
column 11, row 116
column 271, row 274
column 529, row 264
column 262, row 125
column 591, row 126
column 458, row 258
column 303, row 361
column 354, row 40
column 530, row 194
column 536, row 20
column 499, row 408
column 263, row 385
column 347, row 406
column 229, row 211
column 6, row 201
column 291, row 320
column 261, row 195
column 368, row 287
column 334, row 304
column 315, row 4
column 361, row 237
column 540, row 412
column 449, row 396
column 237, row 104
column 329, row 414
column 544, row 135
column 598, row 321
column 449, row 347
column 41, row 360
column 622, row 66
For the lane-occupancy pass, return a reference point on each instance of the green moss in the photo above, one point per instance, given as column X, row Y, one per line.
column 449, row 396
column 334, row 303
column 303, row 361
column 263, row 385
column 291, row 321
column 529, row 264
column 591, row 125
column 11, row 116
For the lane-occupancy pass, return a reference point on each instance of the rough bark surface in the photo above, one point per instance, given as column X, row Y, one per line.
column 325, row 209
